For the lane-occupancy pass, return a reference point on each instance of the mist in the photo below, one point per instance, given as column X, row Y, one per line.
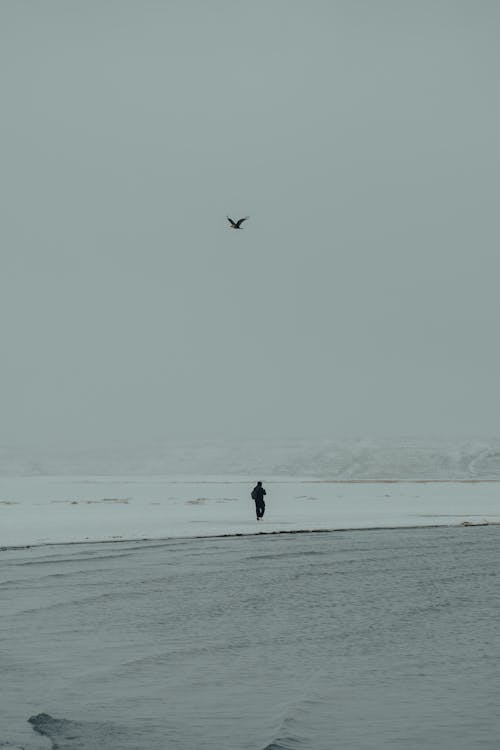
column 361, row 295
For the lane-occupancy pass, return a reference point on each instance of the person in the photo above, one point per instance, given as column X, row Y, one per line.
column 258, row 493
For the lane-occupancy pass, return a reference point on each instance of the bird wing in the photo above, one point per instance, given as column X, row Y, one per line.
column 230, row 221
column 240, row 221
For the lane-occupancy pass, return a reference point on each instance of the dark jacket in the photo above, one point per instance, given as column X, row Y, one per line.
column 258, row 492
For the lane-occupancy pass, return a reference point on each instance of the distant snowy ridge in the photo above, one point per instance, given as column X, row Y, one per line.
column 407, row 458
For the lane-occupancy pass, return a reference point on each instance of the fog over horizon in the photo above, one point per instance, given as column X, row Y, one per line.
column 360, row 298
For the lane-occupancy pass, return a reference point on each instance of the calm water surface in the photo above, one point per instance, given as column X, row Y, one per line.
column 374, row 639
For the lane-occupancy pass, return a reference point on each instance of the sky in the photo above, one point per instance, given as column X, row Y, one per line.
column 361, row 296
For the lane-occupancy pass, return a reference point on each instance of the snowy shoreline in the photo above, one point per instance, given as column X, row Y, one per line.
column 37, row 511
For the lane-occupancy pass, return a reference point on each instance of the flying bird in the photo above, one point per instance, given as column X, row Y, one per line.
column 237, row 224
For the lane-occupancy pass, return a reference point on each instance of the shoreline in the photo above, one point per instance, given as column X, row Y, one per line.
column 67, row 510
column 234, row 535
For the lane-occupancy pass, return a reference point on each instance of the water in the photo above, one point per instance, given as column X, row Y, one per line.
column 374, row 639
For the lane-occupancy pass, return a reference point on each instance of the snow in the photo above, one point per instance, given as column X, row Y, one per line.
column 62, row 509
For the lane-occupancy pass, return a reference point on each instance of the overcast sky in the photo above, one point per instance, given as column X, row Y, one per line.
column 362, row 295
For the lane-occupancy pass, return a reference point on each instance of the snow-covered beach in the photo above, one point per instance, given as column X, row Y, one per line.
column 45, row 510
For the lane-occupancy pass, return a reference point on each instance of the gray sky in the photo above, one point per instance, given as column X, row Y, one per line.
column 362, row 137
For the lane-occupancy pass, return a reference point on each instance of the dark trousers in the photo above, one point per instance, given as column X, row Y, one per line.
column 260, row 508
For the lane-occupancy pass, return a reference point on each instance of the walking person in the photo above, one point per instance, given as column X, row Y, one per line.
column 258, row 493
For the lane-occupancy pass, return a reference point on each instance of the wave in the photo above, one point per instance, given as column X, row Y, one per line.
column 301, row 719
column 362, row 458
column 66, row 734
